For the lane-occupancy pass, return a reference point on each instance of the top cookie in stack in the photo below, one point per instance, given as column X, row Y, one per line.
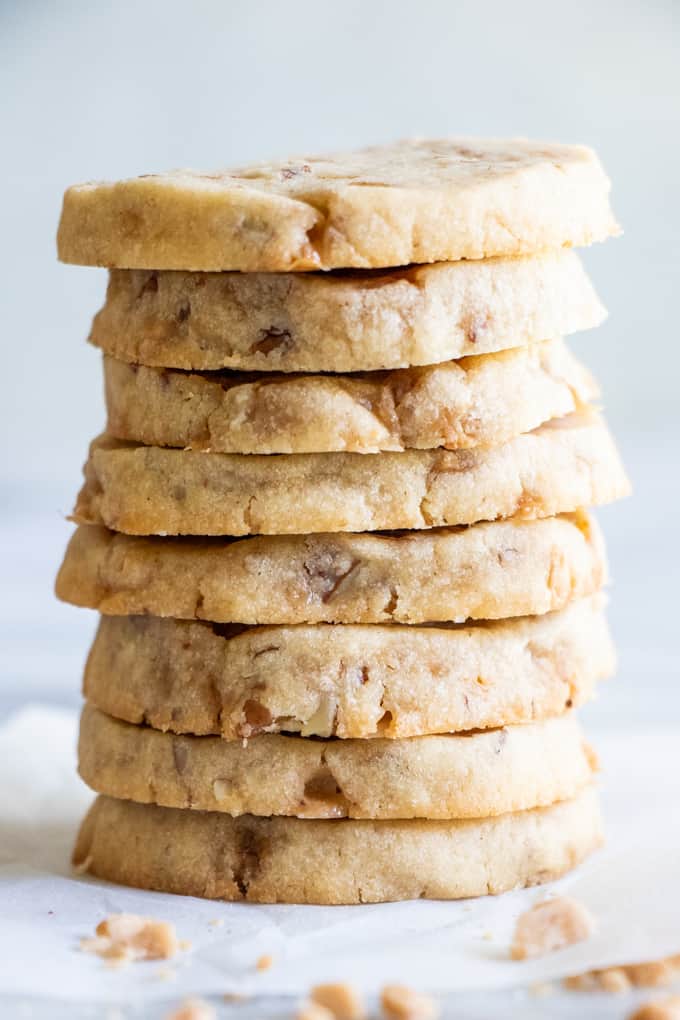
column 394, row 205
column 399, row 743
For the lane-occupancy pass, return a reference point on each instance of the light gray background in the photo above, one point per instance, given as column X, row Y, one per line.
column 93, row 90
column 98, row 89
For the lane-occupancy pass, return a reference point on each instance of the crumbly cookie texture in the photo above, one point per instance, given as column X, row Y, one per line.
column 479, row 401
column 347, row 681
column 131, row 937
column 471, row 775
column 489, row 571
column 291, row 860
column 622, row 978
column 390, row 205
column 550, row 925
column 343, row 322
column 146, row 490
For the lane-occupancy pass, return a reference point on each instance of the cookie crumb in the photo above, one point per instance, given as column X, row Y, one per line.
column 398, row 1002
column 551, row 925
column 216, row 922
column 313, row 1011
column 609, row 979
column 235, row 997
column 121, row 938
column 342, row 1001
column 614, row 980
column 653, row 974
column 659, row 1009
column 264, row 962
column 193, row 1009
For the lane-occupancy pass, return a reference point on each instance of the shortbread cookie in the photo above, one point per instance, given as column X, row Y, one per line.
column 147, row 490
column 347, row 681
column 390, row 205
column 343, row 322
column 471, row 775
column 292, row 860
column 480, row 401
column 489, row 571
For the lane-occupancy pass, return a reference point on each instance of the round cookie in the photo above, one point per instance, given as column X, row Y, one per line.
column 470, row 775
column 479, row 401
column 489, row 571
column 147, row 490
column 365, row 680
column 390, row 205
column 344, row 321
column 291, row 860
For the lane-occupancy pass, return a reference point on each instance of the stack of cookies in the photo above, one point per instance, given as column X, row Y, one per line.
column 350, row 594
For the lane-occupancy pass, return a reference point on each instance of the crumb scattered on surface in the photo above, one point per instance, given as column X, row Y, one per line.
column 264, row 962
column 551, row 925
column 399, row 1002
column 610, row 979
column 216, row 922
column 235, row 997
column 660, row 1009
column 121, row 938
column 342, row 1001
column 487, row 936
column 193, row 1009
column 653, row 974
column 313, row 1011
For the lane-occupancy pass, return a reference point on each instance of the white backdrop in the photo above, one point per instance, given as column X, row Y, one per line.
column 107, row 90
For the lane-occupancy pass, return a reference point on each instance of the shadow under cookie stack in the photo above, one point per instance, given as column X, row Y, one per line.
column 335, row 528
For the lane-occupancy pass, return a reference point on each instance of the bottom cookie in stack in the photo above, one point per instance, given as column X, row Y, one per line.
column 292, row 860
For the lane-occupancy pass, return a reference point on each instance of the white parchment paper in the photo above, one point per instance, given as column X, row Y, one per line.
column 632, row 886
